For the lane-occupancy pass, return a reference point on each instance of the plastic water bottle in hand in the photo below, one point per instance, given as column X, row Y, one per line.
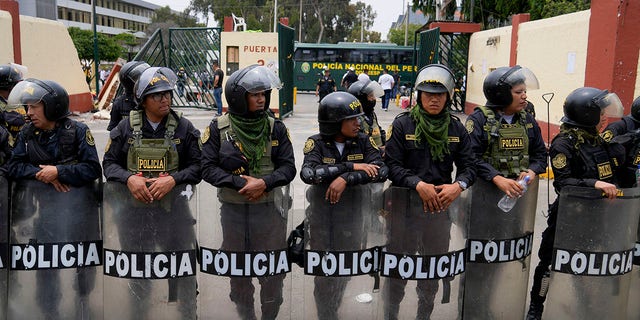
column 506, row 203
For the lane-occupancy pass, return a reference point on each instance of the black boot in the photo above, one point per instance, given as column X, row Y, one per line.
column 535, row 311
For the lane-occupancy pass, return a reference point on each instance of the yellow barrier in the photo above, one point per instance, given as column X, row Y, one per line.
column 295, row 95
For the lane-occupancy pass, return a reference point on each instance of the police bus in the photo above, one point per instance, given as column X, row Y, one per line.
column 310, row 58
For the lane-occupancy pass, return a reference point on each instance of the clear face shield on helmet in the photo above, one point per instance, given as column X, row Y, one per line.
column 259, row 79
column 155, row 79
column 134, row 74
column 373, row 90
column 26, row 93
column 435, row 74
column 609, row 103
column 518, row 75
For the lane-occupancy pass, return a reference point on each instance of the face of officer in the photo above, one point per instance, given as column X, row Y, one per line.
column 519, row 101
column 433, row 103
column 35, row 112
column 256, row 101
column 157, row 105
column 349, row 129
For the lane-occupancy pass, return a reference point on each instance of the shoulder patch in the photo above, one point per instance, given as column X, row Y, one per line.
column 89, row 138
column 106, row 149
column 469, row 126
column 373, row 143
column 559, row 161
column 607, row 135
column 308, row 146
column 206, row 134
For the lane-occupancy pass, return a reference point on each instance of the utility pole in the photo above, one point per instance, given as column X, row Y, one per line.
column 300, row 27
column 406, row 25
column 96, row 57
column 362, row 25
column 275, row 16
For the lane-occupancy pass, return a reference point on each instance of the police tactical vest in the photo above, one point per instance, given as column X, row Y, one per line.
column 373, row 130
column 68, row 149
column 598, row 164
column 266, row 165
column 151, row 157
column 508, row 144
column 634, row 151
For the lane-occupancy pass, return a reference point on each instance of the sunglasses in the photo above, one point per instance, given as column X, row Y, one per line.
column 158, row 96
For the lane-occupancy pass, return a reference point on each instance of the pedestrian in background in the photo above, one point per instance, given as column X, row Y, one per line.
column 364, row 75
column 218, row 76
column 348, row 78
column 386, row 81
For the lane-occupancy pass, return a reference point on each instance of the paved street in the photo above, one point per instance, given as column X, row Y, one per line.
column 302, row 124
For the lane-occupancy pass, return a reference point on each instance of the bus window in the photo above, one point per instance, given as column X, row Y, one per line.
column 355, row 56
column 385, row 56
column 371, row 56
column 305, row 55
column 328, row 55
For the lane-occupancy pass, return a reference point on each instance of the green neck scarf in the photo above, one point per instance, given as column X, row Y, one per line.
column 432, row 129
column 252, row 134
column 582, row 135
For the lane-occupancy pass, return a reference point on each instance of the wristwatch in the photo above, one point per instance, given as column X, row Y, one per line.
column 463, row 185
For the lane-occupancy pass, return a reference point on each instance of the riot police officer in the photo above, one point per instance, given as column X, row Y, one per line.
column 155, row 158
column 579, row 157
column 54, row 165
column 5, row 149
column 248, row 156
column 325, row 84
column 506, row 139
column 336, row 162
column 367, row 93
column 626, row 132
column 421, row 150
column 11, row 117
column 125, row 102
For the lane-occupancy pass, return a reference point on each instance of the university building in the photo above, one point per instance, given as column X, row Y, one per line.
column 113, row 16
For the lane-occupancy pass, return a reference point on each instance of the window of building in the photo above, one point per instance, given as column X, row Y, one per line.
column 233, row 59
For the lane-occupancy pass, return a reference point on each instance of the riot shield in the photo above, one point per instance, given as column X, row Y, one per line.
column 634, row 290
column 425, row 250
column 342, row 253
column 243, row 255
column 55, row 247
column 149, row 255
column 592, row 254
column 498, row 254
column 4, row 244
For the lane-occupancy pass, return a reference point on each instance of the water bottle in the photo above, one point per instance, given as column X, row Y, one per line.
column 507, row 203
column 638, row 177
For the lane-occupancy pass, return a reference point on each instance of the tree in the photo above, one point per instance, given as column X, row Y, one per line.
column 108, row 48
column 397, row 35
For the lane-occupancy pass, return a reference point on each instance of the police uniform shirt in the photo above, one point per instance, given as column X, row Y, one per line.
column 120, row 109
column 186, row 140
column 326, row 84
column 410, row 163
column 625, row 131
column 537, row 150
column 570, row 168
column 5, row 150
column 85, row 168
column 281, row 156
column 620, row 127
column 319, row 151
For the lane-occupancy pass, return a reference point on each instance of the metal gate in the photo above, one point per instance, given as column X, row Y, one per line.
column 194, row 50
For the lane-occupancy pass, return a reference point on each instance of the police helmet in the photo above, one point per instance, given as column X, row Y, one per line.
column 153, row 80
column 51, row 94
column 334, row 108
column 435, row 78
column 363, row 89
column 635, row 109
column 497, row 85
column 10, row 75
column 583, row 106
column 130, row 72
column 254, row 78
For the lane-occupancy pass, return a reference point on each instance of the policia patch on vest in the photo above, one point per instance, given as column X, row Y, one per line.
column 559, row 161
column 206, row 134
column 89, row 138
column 308, row 146
column 469, row 126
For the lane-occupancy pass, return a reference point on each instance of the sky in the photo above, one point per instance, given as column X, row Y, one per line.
column 387, row 11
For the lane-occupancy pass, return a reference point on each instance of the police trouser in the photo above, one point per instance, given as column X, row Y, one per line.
column 545, row 254
column 158, row 229
column 254, row 227
column 63, row 222
column 415, row 232
column 337, row 227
